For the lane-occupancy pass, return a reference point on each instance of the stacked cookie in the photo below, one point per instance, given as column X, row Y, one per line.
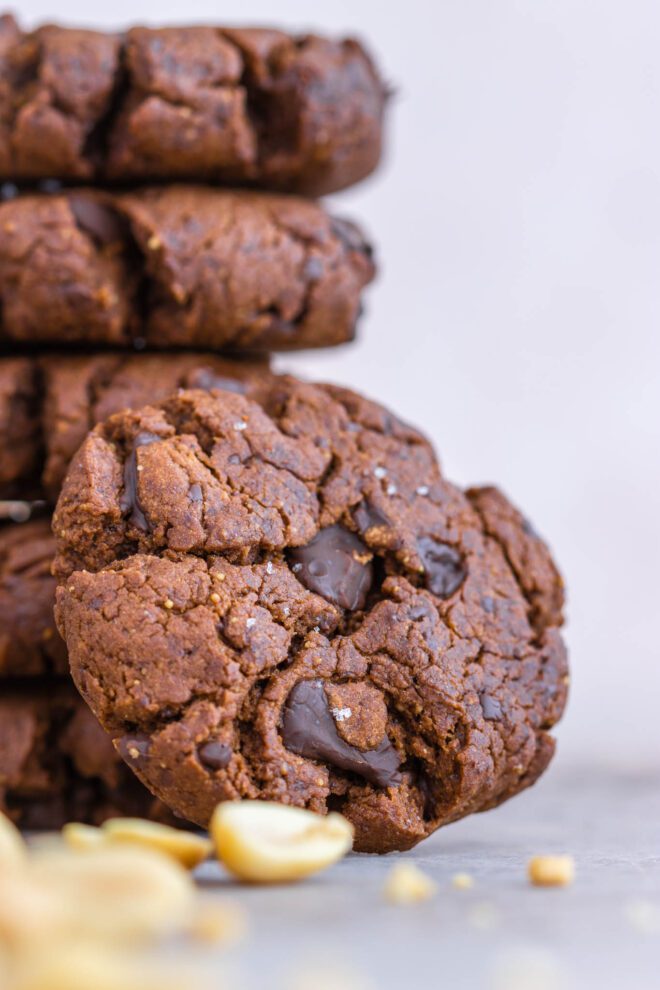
column 267, row 587
column 96, row 277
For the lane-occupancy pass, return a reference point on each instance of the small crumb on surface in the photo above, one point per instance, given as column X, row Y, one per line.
column 217, row 924
column 407, row 884
column 551, row 871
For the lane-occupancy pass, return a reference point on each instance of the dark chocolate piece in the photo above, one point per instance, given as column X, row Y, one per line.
column 337, row 565
column 308, row 729
column 444, row 569
column 215, row 755
column 129, row 502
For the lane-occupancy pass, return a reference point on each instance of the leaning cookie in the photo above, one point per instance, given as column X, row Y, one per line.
column 288, row 601
column 178, row 266
column 57, row 765
column 298, row 113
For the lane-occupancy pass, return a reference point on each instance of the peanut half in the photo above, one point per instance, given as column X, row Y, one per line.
column 551, row 871
column 186, row 848
column 264, row 842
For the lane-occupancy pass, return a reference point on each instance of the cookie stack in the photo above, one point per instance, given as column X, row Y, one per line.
column 267, row 588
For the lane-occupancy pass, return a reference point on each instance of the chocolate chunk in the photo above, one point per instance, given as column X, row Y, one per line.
column 207, row 380
column 215, row 755
column 134, row 749
column 336, row 565
column 367, row 516
column 492, row 708
column 444, row 569
column 95, row 219
column 129, row 502
column 308, row 729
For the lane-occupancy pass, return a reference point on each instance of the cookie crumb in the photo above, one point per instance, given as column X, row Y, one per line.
column 551, row 871
column 407, row 884
column 217, row 924
column 462, row 881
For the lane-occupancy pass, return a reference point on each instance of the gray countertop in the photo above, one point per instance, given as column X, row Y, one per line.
column 337, row 931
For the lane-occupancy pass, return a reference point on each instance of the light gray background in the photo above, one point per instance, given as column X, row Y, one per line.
column 517, row 221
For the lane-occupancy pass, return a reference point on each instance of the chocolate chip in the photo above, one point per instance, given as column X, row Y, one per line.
column 491, row 707
column 336, row 565
column 309, row 729
column 367, row 516
column 444, row 570
column 128, row 501
column 215, row 755
column 95, row 219
column 206, row 379
column 133, row 749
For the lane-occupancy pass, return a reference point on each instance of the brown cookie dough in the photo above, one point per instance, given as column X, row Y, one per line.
column 57, row 764
column 178, row 266
column 288, row 601
column 30, row 644
column 20, row 428
column 297, row 113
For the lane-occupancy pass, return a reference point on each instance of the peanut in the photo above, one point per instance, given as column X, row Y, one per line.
column 264, row 842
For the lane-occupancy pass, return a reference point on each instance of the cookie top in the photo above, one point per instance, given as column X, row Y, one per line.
column 297, row 113
column 29, row 642
column 178, row 266
column 287, row 600
column 57, row 765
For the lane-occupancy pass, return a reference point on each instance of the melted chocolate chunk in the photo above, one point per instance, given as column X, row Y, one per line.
column 308, row 729
column 215, row 755
column 206, row 379
column 336, row 565
column 95, row 219
column 444, row 569
column 129, row 502
column 492, row 708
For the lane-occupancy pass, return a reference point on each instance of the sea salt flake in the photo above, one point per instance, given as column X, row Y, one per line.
column 341, row 714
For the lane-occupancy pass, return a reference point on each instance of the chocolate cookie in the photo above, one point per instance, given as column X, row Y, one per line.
column 178, row 266
column 29, row 642
column 288, row 601
column 57, row 764
column 298, row 113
